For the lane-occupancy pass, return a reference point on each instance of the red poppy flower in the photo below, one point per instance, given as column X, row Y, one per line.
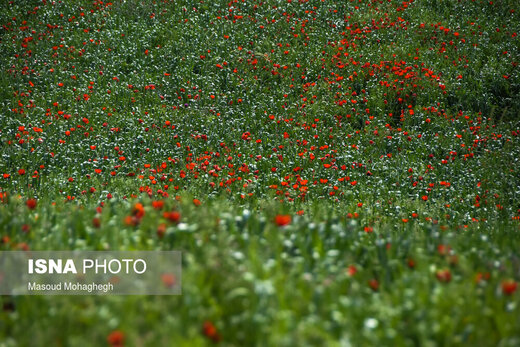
column 116, row 338
column 23, row 246
column 31, row 204
column 161, row 230
column 443, row 249
column 373, row 284
column 443, row 275
column 172, row 216
column 480, row 277
column 509, row 287
column 158, row 204
column 138, row 210
column 411, row 263
column 132, row 221
column 351, row 271
column 282, row 220
column 210, row 331
column 168, row 280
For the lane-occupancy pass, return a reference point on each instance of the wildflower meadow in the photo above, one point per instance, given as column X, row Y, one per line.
column 334, row 172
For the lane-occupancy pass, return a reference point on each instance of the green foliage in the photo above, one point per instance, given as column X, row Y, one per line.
column 346, row 172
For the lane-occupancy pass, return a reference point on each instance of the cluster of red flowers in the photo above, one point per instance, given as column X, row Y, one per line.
column 137, row 214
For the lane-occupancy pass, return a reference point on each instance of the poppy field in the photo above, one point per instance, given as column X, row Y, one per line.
column 335, row 173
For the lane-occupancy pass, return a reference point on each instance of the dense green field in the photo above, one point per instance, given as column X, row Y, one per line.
column 335, row 172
